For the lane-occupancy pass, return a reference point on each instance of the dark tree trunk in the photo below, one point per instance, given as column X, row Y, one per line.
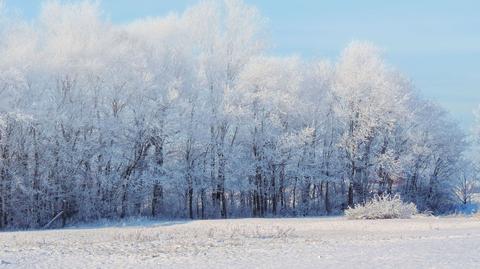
column 327, row 199
column 190, row 202
column 350, row 195
column 156, row 199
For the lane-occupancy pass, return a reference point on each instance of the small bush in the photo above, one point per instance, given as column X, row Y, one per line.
column 382, row 207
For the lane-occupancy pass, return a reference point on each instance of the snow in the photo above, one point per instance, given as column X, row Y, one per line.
column 421, row 242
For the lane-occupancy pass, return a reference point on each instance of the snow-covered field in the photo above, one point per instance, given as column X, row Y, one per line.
column 422, row 242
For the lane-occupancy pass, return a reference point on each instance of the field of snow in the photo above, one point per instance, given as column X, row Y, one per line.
column 422, row 242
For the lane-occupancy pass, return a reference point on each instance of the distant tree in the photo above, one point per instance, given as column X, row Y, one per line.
column 467, row 184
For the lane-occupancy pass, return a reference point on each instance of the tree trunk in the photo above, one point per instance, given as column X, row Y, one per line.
column 190, row 201
column 327, row 199
column 350, row 195
column 157, row 196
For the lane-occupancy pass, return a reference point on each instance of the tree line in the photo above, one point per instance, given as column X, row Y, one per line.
column 188, row 116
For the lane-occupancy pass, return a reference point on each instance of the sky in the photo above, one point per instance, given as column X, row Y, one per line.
column 435, row 43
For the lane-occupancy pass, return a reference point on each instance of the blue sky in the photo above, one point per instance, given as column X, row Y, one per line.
column 435, row 43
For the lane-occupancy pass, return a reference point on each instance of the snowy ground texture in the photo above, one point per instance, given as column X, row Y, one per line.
column 422, row 242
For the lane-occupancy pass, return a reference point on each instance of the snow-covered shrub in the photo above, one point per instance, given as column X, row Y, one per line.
column 382, row 207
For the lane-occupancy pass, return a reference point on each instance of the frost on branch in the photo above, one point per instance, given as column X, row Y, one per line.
column 383, row 207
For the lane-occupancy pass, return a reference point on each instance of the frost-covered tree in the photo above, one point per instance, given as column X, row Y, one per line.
column 467, row 183
column 369, row 118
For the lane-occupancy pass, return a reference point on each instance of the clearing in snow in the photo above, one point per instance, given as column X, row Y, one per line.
column 421, row 242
